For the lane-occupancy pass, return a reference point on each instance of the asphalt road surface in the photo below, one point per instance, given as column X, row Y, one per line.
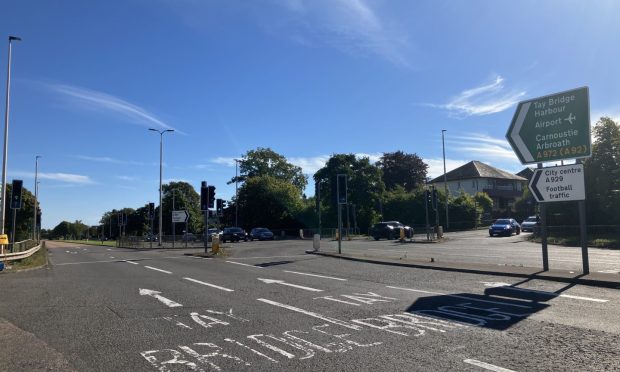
column 268, row 306
column 479, row 247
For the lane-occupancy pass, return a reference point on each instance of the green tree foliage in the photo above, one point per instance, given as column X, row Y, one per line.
column 403, row 206
column 365, row 188
column 61, row 231
column 268, row 201
column 602, row 174
column 185, row 198
column 463, row 214
column 400, row 169
column 266, row 162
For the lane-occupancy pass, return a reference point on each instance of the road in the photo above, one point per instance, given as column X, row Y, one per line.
column 269, row 306
column 479, row 247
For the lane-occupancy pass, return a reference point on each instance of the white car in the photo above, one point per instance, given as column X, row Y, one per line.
column 529, row 224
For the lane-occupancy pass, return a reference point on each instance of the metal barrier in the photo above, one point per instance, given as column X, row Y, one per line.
column 20, row 250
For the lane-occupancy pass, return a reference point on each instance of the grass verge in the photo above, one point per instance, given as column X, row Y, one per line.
column 36, row 260
column 107, row 243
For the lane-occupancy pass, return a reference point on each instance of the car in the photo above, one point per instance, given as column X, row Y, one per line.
column 389, row 230
column 529, row 224
column 213, row 232
column 234, row 234
column 188, row 237
column 505, row 226
column 261, row 233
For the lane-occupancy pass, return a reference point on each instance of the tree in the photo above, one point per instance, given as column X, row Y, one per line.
column 62, row 230
column 266, row 162
column 268, row 201
column 406, row 170
column 23, row 216
column 365, row 188
column 185, row 198
column 602, row 174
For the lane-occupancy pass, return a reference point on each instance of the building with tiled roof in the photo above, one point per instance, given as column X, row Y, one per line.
column 503, row 187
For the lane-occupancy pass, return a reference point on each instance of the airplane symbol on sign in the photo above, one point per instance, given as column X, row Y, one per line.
column 571, row 118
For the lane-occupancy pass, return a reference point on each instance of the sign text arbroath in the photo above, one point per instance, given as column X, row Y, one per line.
column 550, row 128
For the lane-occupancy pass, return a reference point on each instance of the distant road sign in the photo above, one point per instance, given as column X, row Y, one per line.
column 556, row 184
column 179, row 216
column 550, row 128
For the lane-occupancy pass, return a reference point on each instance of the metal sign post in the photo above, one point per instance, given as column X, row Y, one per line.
column 551, row 128
column 341, row 199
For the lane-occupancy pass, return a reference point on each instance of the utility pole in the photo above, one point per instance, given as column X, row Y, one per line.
column 445, row 179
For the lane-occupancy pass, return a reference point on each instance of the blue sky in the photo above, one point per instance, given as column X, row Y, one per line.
column 306, row 78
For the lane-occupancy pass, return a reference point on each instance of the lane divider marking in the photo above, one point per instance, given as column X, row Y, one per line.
column 210, row 285
column 315, row 275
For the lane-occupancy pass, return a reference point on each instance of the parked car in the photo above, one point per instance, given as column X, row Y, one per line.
column 389, row 230
column 505, row 226
column 529, row 224
column 234, row 234
column 261, row 233
column 188, row 237
column 213, row 231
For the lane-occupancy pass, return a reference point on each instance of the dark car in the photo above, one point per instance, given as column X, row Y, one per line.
column 505, row 226
column 234, row 234
column 261, row 233
column 389, row 230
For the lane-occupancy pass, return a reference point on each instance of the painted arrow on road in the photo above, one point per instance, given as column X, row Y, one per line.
column 274, row 281
column 155, row 294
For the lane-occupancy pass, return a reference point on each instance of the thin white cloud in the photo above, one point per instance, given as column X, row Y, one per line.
column 435, row 166
column 484, row 147
column 309, row 165
column 76, row 179
column 349, row 25
column 228, row 161
column 126, row 178
column 105, row 159
column 95, row 100
column 372, row 157
column 485, row 99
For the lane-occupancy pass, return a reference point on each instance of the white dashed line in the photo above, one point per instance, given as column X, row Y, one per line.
column 487, row 366
column 462, row 297
column 131, row 262
column 210, row 285
column 242, row 264
column 156, row 269
column 315, row 275
column 544, row 293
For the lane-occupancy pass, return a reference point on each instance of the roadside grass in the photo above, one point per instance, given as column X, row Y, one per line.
column 610, row 241
column 107, row 243
column 36, row 260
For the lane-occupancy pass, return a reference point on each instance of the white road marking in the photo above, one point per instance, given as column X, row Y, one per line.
column 155, row 294
column 131, row 262
column 210, row 285
column 545, row 293
column 461, row 297
column 85, row 262
column 242, row 264
column 487, row 366
column 318, row 276
column 331, row 298
column 251, row 258
column 274, row 281
column 613, row 271
column 160, row 270
column 312, row 314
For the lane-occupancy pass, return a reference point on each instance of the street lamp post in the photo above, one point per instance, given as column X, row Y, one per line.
column 236, row 192
column 36, row 175
column 445, row 179
column 161, row 159
column 6, row 136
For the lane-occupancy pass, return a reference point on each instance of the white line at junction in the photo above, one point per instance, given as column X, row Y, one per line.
column 544, row 293
column 160, row 270
column 487, row 366
column 131, row 262
column 461, row 297
column 210, row 285
column 312, row 314
column 242, row 264
column 315, row 275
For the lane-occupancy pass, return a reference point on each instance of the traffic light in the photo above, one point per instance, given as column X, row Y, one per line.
column 428, row 197
column 204, row 196
column 224, row 204
column 16, row 194
column 211, row 196
column 151, row 211
column 219, row 204
column 435, row 199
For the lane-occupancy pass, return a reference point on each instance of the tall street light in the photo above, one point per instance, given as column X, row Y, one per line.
column 6, row 135
column 161, row 161
column 445, row 179
column 36, row 176
column 236, row 193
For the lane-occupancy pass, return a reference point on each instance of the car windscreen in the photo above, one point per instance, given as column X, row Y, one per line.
column 531, row 219
column 502, row 222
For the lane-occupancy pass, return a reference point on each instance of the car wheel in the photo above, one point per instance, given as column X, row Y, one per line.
column 518, row 231
column 491, row 235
